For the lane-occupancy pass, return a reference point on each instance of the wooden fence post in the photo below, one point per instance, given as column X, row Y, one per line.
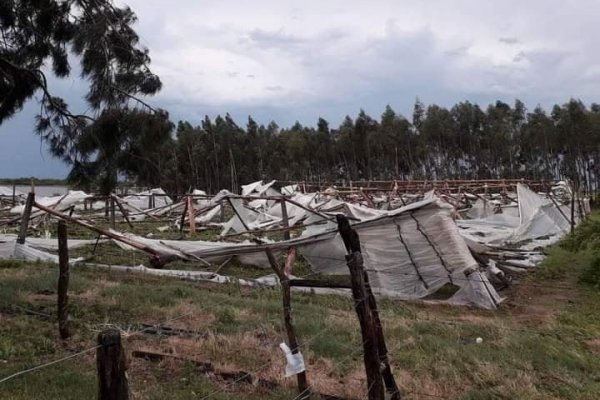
column 371, row 346
column 386, row 369
column 113, row 221
column 183, row 214
column 284, row 280
column 122, row 209
column 110, row 362
column 25, row 218
column 191, row 213
column 63, row 282
column 284, row 220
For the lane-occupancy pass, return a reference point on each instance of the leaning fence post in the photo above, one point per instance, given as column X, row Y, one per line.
column 25, row 218
column 63, row 281
column 183, row 214
column 386, row 369
column 363, row 311
column 284, row 281
column 110, row 362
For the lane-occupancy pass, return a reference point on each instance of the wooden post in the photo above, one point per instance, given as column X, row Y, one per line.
column 63, row 281
column 113, row 222
column 14, row 196
column 222, row 216
column 110, row 362
column 558, row 208
column 238, row 214
column 25, row 218
column 386, row 369
column 122, row 209
column 191, row 213
column 287, row 317
column 289, row 261
column 361, row 306
column 284, row 220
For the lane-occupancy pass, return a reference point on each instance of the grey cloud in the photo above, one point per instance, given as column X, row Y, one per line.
column 520, row 56
column 291, row 43
column 274, row 39
column 457, row 52
column 509, row 40
column 545, row 59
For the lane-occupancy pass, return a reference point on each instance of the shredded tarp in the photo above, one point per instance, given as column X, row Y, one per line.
column 6, row 191
column 409, row 253
column 539, row 220
column 36, row 248
column 141, row 200
column 59, row 203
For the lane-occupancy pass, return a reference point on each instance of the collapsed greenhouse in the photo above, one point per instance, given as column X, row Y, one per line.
column 415, row 242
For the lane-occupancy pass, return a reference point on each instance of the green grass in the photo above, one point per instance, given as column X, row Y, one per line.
column 541, row 344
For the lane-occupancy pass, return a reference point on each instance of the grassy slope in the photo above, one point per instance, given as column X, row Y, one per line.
column 542, row 344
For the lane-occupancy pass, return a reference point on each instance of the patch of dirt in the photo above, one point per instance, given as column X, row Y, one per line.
column 594, row 345
column 535, row 305
column 40, row 297
column 193, row 319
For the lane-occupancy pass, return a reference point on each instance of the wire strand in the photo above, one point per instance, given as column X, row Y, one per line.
column 26, row 371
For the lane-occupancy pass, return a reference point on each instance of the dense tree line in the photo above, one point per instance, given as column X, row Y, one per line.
column 461, row 142
column 114, row 140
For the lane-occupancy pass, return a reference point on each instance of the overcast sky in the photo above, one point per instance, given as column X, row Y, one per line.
column 286, row 61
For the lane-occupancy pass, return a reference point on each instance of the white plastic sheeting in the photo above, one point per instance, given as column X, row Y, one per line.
column 539, row 221
column 408, row 253
column 35, row 248
column 6, row 191
column 141, row 200
column 59, row 203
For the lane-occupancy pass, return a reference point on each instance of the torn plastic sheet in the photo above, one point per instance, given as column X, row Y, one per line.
column 59, row 203
column 409, row 253
column 539, row 221
column 6, row 191
column 25, row 252
column 141, row 200
column 295, row 362
column 36, row 248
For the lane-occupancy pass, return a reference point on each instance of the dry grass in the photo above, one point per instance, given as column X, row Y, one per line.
column 530, row 350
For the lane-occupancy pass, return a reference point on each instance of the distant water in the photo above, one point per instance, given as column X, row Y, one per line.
column 45, row 190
